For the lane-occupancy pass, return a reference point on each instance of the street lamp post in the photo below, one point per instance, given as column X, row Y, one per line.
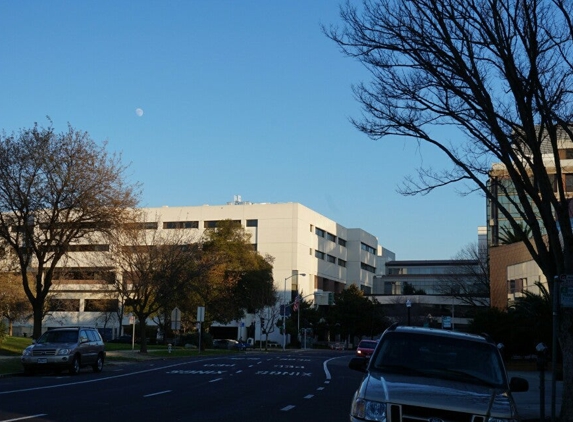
column 408, row 306
column 298, row 314
column 285, row 302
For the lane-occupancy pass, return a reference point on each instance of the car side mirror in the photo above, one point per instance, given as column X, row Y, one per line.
column 358, row 364
column 518, row 385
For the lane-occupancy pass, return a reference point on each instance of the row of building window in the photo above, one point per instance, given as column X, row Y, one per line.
column 154, row 225
column 367, row 248
column 368, row 268
column 327, row 235
column 329, row 258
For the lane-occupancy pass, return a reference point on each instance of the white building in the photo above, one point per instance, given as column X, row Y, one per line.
column 301, row 241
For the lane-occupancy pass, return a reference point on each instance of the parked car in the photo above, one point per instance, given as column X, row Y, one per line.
column 366, row 348
column 69, row 348
column 228, row 344
column 429, row 374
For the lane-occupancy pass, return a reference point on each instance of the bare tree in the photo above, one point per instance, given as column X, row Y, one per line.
column 469, row 280
column 500, row 73
column 156, row 269
column 269, row 317
column 55, row 189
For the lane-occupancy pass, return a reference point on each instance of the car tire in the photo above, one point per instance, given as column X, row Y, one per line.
column 75, row 366
column 98, row 366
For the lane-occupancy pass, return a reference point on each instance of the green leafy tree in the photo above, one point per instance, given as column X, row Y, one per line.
column 409, row 289
column 498, row 74
column 232, row 276
column 56, row 189
column 14, row 305
column 357, row 315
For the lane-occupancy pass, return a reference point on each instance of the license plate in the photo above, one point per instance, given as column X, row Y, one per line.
column 42, row 360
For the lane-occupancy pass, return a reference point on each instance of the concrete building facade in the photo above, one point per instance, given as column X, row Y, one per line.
column 300, row 240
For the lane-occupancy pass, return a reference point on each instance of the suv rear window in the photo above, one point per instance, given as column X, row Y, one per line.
column 59, row 336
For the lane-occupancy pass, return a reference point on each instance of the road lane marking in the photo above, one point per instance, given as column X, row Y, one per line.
column 320, row 388
column 309, row 396
column 216, row 379
column 287, row 408
column 25, row 417
column 158, row 393
column 69, row 384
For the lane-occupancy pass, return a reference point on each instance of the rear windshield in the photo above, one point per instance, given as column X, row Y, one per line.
column 59, row 337
column 367, row 344
column 442, row 357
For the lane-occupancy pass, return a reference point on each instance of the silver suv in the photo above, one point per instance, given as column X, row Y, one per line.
column 426, row 374
column 68, row 348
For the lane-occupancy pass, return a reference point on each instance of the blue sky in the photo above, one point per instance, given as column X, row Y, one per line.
column 239, row 98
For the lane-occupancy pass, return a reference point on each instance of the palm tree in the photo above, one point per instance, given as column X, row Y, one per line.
column 509, row 235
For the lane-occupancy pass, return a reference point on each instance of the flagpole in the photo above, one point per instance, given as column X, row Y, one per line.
column 297, row 304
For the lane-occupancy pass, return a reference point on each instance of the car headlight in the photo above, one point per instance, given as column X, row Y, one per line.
column 63, row 352
column 369, row 410
column 27, row 351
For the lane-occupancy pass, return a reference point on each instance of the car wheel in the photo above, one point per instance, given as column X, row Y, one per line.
column 75, row 367
column 98, row 366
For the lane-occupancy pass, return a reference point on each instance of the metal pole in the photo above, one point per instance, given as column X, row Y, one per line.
column 298, row 322
column 554, row 345
column 285, row 306
column 284, row 315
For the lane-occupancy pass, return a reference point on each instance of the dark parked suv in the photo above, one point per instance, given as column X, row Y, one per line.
column 424, row 374
column 69, row 348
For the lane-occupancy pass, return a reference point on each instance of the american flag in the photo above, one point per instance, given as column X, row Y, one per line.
column 296, row 303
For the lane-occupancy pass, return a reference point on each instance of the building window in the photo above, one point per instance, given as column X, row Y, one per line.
column 142, row 226
column 101, row 305
column 367, row 248
column 341, row 262
column 331, row 258
column 88, row 248
column 252, row 223
column 341, row 242
column 63, row 305
column 367, row 267
column 331, row 237
column 320, row 232
column 210, row 224
column 515, row 286
column 181, row 225
column 569, row 182
column 319, row 255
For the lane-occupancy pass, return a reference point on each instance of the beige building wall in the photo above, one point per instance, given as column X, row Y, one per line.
column 511, row 262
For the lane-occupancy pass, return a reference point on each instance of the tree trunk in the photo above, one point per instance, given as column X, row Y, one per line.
column 38, row 317
column 142, row 336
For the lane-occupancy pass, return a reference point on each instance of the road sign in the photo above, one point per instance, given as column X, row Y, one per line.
column 446, row 322
column 566, row 291
column 200, row 314
column 176, row 319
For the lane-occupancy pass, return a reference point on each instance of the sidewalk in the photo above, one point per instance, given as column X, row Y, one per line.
column 528, row 403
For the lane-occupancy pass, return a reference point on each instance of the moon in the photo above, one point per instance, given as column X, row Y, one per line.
column 139, row 112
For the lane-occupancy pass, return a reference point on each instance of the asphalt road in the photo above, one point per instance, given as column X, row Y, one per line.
column 297, row 386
